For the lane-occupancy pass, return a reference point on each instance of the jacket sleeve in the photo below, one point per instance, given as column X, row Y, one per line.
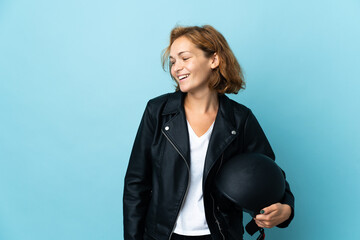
column 137, row 188
column 256, row 141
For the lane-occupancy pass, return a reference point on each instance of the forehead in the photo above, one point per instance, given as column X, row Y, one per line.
column 182, row 44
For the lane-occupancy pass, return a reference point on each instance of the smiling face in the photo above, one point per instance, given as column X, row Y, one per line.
column 189, row 66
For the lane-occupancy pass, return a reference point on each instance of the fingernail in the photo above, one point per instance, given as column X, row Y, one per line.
column 262, row 212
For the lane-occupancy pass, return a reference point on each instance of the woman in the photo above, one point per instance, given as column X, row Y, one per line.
column 183, row 139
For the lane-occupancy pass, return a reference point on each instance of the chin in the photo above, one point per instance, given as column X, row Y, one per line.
column 184, row 89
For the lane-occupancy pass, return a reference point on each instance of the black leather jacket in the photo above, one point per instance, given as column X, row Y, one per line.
column 157, row 177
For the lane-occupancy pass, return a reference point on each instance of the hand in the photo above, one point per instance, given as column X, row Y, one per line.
column 273, row 215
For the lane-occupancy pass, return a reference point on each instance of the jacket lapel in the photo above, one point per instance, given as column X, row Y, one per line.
column 224, row 132
column 176, row 127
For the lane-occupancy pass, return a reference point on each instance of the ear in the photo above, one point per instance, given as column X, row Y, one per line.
column 214, row 61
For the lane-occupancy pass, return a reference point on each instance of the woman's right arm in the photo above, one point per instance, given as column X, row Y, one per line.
column 137, row 188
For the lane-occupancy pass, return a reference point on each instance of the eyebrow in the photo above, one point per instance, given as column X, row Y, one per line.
column 180, row 53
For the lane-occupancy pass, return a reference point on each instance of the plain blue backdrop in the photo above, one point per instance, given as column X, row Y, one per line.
column 75, row 77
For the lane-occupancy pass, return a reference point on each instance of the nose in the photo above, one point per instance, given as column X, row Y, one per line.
column 177, row 66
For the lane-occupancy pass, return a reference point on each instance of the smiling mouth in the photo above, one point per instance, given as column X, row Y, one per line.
column 182, row 77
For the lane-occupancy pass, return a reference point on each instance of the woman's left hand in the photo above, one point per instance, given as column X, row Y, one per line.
column 273, row 215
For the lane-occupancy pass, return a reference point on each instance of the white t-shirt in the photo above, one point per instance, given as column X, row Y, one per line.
column 191, row 220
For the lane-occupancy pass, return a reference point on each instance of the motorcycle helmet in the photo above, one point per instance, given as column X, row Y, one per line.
column 249, row 181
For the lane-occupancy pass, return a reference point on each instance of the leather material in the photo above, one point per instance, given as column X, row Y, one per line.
column 157, row 176
column 251, row 181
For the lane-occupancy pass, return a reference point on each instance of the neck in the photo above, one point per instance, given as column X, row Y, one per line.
column 202, row 102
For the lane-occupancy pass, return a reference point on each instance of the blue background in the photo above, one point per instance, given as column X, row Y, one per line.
column 75, row 77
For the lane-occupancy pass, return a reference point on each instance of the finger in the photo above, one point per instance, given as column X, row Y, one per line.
column 271, row 208
column 259, row 223
column 263, row 224
column 267, row 217
column 262, row 217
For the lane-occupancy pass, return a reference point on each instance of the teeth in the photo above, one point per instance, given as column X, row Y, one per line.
column 183, row 76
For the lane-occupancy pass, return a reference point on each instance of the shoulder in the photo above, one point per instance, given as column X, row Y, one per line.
column 159, row 100
column 158, row 103
column 163, row 104
column 238, row 109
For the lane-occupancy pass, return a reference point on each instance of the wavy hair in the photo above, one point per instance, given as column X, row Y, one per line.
column 228, row 76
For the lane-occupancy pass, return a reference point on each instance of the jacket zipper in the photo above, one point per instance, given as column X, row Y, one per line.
column 216, row 220
column 187, row 187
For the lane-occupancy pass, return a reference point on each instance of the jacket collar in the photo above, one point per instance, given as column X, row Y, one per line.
column 224, row 130
column 175, row 104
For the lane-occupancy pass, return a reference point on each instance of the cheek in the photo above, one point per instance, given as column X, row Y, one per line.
column 190, row 67
column 172, row 72
column 199, row 66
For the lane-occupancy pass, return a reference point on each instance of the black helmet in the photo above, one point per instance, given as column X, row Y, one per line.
column 250, row 181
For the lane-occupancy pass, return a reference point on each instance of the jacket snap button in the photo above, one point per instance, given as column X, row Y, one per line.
column 167, row 128
column 233, row 132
